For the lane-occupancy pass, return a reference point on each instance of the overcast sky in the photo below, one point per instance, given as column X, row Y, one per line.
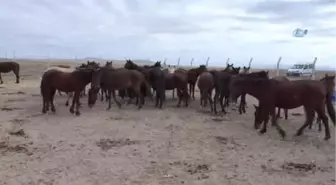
column 157, row 29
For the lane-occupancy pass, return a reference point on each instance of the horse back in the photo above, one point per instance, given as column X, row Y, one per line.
column 182, row 74
column 8, row 66
column 205, row 80
column 280, row 78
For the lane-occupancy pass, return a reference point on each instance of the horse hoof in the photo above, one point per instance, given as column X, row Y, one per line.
column 53, row 110
column 283, row 134
column 326, row 138
column 262, row 131
column 78, row 113
column 44, row 111
column 72, row 111
column 298, row 133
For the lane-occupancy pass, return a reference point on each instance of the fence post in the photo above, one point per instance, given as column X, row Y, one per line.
column 178, row 62
column 207, row 61
column 313, row 75
column 191, row 61
column 164, row 62
column 278, row 66
column 227, row 61
column 249, row 66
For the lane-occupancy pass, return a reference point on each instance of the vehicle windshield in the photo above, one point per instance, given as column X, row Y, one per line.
column 298, row 66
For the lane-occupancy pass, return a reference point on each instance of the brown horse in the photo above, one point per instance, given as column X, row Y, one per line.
column 181, row 82
column 62, row 66
column 66, row 80
column 102, row 88
column 242, row 105
column 116, row 79
column 192, row 78
column 145, row 71
column 206, row 85
column 311, row 94
column 8, row 66
column 285, row 80
column 221, row 84
column 170, row 70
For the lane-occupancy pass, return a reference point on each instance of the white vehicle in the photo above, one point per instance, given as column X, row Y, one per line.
column 300, row 70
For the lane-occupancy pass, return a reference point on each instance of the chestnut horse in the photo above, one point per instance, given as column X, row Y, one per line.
column 206, row 84
column 192, row 78
column 117, row 79
column 285, row 80
column 66, row 80
column 311, row 94
column 8, row 66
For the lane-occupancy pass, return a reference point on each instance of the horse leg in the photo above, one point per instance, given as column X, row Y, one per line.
column 208, row 95
column 140, row 96
column 202, row 97
column 51, row 99
column 109, row 100
column 173, row 94
column 185, row 96
column 44, row 102
column 244, row 103
column 309, row 120
column 215, row 101
column 77, row 102
column 102, row 94
column 157, row 97
column 278, row 114
column 73, row 102
column 115, row 99
column 190, row 88
column 286, row 113
column 193, row 91
column 275, row 123
column 322, row 116
column 1, row 82
column 179, row 96
column 162, row 93
column 17, row 75
column 222, row 104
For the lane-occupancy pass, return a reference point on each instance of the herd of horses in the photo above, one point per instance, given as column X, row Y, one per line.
column 135, row 81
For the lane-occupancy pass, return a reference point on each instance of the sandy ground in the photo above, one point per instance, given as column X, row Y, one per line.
column 150, row 146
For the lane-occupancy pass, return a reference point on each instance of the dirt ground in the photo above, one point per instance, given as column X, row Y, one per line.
column 149, row 146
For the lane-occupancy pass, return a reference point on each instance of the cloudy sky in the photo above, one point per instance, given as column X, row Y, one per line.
column 158, row 29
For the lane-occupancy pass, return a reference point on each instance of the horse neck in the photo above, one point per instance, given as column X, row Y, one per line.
column 254, row 91
column 86, row 75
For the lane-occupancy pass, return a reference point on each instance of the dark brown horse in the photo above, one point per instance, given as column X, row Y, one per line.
column 311, row 94
column 192, row 78
column 56, row 78
column 242, row 105
column 116, row 79
column 8, row 66
column 62, row 66
column 285, row 80
column 206, row 84
column 181, row 84
column 221, row 84
column 145, row 71
column 102, row 87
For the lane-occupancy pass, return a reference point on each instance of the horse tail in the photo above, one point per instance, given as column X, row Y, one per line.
column 43, row 87
column 148, row 89
column 330, row 107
